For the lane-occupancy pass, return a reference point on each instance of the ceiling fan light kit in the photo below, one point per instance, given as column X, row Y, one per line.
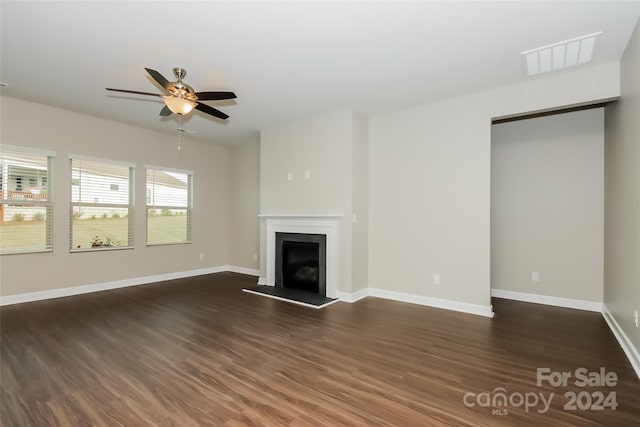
column 181, row 98
column 179, row 106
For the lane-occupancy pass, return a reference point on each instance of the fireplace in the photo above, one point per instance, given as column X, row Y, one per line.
column 301, row 262
column 325, row 225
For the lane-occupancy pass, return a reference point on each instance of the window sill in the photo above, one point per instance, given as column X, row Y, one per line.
column 101, row 249
column 169, row 243
column 29, row 251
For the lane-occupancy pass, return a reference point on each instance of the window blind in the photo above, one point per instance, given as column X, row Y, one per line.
column 26, row 207
column 102, row 204
column 169, row 206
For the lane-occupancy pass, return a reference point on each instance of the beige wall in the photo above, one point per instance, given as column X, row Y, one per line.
column 324, row 146
column 360, row 197
column 34, row 125
column 622, row 196
column 244, row 204
column 430, row 183
column 429, row 202
column 547, row 205
column 320, row 145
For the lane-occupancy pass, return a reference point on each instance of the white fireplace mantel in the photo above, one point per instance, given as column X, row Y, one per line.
column 326, row 224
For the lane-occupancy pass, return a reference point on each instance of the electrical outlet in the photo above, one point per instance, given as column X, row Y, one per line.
column 255, row 257
column 307, row 174
column 635, row 317
column 535, row 276
column 201, row 257
column 436, row 279
column 290, row 176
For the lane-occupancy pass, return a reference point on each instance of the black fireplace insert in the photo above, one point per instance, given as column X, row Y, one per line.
column 301, row 262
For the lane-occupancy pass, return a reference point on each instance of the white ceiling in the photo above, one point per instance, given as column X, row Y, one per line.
column 284, row 60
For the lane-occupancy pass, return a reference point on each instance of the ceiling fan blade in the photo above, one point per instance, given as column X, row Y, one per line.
column 214, row 96
column 133, row 91
column 211, row 111
column 165, row 111
column 161, row 80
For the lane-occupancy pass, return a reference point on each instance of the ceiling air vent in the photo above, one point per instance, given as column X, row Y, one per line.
column 557, row 56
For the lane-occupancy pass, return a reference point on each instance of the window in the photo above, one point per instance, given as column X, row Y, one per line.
column 26, row 210
column 169, row 205
column 101, row 217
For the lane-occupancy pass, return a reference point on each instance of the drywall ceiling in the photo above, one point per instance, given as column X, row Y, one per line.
column 284, row 60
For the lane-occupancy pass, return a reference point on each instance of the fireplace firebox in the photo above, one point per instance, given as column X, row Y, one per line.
column 301, row 262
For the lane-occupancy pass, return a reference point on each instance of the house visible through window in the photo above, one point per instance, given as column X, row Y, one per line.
column 169, row 206
column 101, row 216
column 25, row 203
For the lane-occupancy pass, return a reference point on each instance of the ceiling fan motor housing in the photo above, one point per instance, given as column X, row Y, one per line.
column 183, row 90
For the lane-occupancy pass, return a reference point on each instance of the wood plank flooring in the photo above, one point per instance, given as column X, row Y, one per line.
column 200, row 352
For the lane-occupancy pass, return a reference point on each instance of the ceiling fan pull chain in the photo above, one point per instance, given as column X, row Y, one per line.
column 179, row 132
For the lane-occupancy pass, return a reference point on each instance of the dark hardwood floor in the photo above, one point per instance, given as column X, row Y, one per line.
column 200, row 352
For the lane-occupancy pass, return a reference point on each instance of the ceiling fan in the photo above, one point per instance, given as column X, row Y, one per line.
column 181, row 98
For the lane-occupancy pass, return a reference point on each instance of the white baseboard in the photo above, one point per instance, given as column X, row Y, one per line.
column 548, row 300
column 244, row 270
column 480, row 310
column 97, row 287
column 627, row 346
column 262, row 280
column 353, row 297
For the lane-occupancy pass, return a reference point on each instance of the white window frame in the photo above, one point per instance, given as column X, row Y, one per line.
column 130, row 206
column 48, row 204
